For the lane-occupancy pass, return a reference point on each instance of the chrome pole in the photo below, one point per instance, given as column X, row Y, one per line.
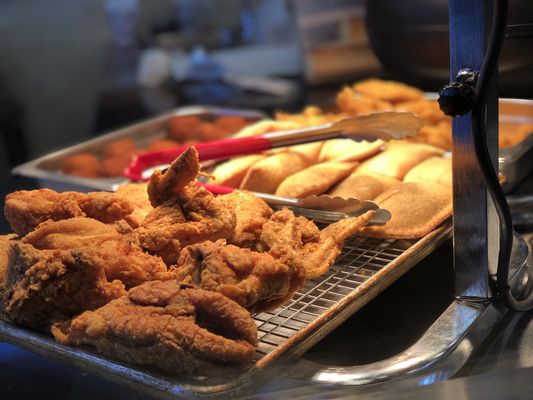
column 475, row 221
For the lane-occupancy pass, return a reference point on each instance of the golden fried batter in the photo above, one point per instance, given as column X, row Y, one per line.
column 5, row 254
column 316, row 179
column 24, row 209
column 168, row 327
column 416, row 208
column 184, row 213
column 297, row 241
column 137, row 195
column 255, row 280
column 352, row 103
column 394, row 92
column 250, row 212
column 120, row 258
column 46, row 286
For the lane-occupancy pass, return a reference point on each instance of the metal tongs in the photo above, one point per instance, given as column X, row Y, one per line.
column 323, row 208
column 385, row 126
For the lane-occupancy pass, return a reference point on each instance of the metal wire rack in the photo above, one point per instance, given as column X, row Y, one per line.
column 361, row 258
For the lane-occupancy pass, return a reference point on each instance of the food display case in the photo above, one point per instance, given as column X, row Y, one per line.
column 455, row 282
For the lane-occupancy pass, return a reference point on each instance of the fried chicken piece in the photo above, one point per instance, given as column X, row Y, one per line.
column 5, row 254
column 169, row 327
column 137, row 195
column 46, row 286
column 174, row 181
column 251, row 213
column 120, row 258
column 297, row 240
column 24, row 209
column 184, row 212
column 290, row 250
column 255, row 280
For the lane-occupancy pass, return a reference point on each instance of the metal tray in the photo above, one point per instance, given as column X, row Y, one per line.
column 364, row 269
column 516, row 161
column 49, row 166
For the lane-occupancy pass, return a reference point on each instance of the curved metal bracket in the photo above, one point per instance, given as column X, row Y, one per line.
column 438, row 341
column 445, row 346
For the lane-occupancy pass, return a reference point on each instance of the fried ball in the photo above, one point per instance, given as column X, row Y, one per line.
column 207, row 132
column 82, row 164
column 162, row 144
column 119, row 147
column 183, row 127
column 231, row 123
column 115, row 166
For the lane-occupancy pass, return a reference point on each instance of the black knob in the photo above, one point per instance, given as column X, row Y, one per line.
column 456, row 99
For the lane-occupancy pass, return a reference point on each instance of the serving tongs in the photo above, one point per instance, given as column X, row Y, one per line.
column 323, row 208
column 385, row 126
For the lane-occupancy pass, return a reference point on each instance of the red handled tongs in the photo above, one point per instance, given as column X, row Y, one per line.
column 385, row 126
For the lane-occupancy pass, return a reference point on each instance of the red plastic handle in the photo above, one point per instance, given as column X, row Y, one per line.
column 216, row 189
column 216, row 150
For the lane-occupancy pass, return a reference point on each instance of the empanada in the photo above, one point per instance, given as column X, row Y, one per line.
column 348, row 150
column 266, row 126
column 316, row 179
column 266, row 175
column 434, row 169
column 232, row 172
column 398, row 158
column 363, row 186
column 416, row 208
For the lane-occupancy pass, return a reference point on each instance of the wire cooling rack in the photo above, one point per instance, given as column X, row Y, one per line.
column 360, row 259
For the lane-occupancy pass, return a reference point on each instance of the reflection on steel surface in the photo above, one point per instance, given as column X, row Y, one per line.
column 440, row 339
column 446, row 345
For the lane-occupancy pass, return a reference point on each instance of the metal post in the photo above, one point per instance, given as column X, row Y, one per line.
column 475, row 222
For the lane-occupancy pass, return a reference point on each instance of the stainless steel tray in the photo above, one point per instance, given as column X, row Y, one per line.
column 516, row 162
column 364, row 269
column 49, row 166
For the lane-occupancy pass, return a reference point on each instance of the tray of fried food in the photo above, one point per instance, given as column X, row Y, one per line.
column 348, row 169
column 99, row 163
column 515, row 136
column 160, row 276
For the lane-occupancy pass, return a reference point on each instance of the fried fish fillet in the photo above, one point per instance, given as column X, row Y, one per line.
column 169, row 327
column 46, row 286
column 24, row 209
column 120, row 258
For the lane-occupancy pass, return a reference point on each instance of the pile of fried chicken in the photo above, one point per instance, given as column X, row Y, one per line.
column 162, row 276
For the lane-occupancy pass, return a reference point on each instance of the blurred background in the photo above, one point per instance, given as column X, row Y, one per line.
column 73, row 69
